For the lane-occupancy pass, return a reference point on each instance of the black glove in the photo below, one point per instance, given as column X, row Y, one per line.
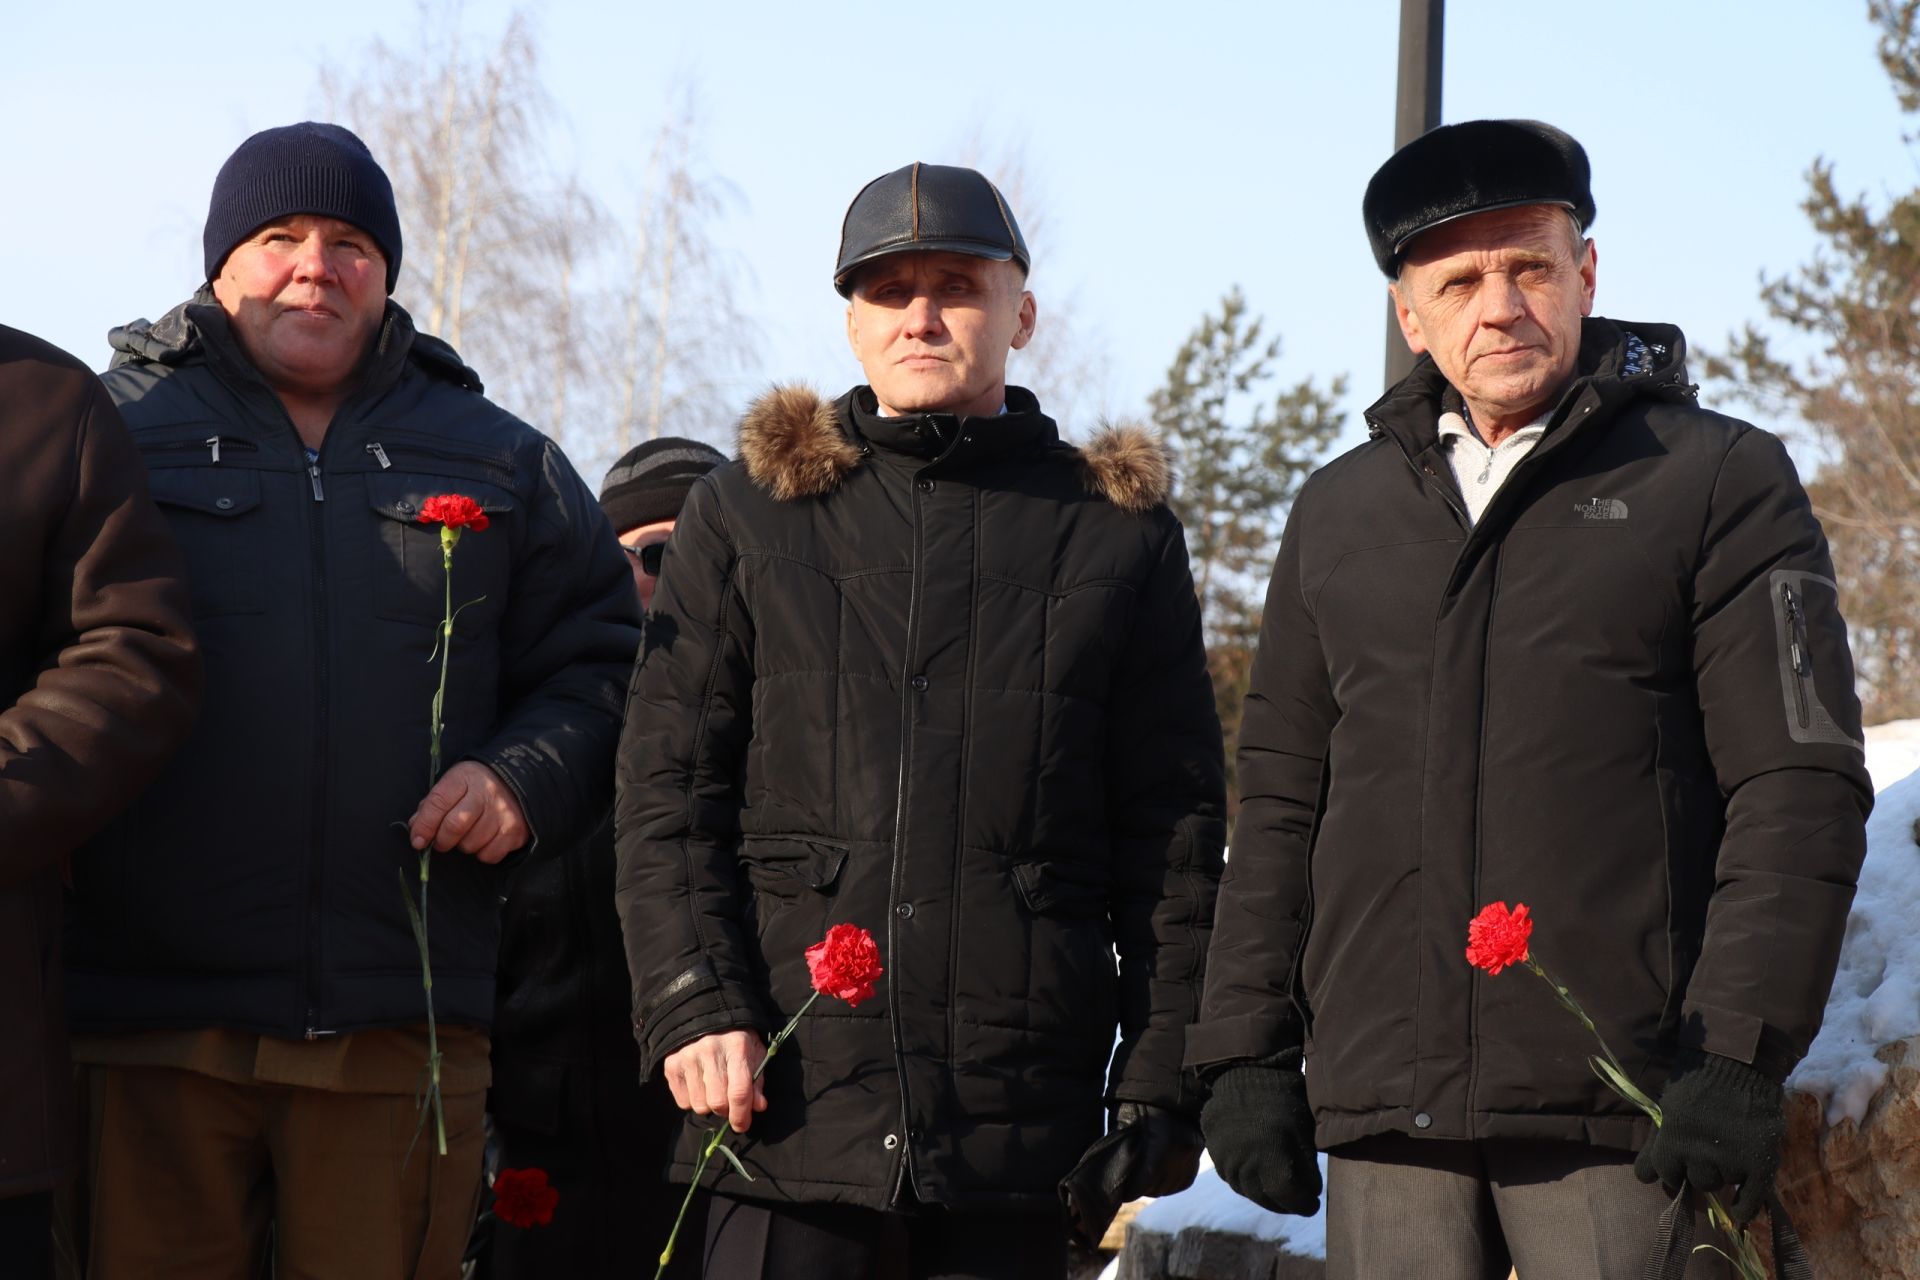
column 1150, row 1151
column 1722, row 1122
column 1260, row 1130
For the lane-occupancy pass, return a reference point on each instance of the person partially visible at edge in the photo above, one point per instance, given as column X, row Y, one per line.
column 1554, row 634
column 920, row 666
column 566, row 1093
column 243, row 976
column 99, row 680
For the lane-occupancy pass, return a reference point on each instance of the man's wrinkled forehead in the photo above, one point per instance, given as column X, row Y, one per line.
column 1531, row 227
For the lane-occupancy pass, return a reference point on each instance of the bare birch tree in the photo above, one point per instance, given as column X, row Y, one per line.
column 1066, row 364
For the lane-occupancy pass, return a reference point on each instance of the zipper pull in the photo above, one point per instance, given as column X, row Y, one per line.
column 313, row 473
column 379, row 455
column 213, row 443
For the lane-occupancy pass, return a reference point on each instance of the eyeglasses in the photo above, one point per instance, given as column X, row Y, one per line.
column 647, row 557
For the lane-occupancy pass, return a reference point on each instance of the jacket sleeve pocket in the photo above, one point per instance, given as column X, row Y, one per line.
column 1806, row 618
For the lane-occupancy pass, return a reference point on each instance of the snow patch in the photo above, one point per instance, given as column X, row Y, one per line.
column 1876, row 991
column 1212, row 1205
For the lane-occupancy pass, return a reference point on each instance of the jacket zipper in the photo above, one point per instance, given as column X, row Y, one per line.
column 1797, row 650
column 402, row 442
column 316, row 854
column 903, row 1170
column 212, row 444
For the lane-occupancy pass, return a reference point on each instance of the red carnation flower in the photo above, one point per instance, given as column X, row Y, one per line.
column 454, row 510
column 1498, row 937
column 523, row 1197
column 845, row 963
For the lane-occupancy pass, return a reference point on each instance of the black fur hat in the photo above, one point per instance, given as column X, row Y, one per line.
column 1472, row 167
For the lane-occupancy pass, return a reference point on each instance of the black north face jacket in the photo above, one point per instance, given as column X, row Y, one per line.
column 1623, row 697
column 942, row 679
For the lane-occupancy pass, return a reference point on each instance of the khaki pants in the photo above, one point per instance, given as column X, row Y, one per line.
column 185, row 1172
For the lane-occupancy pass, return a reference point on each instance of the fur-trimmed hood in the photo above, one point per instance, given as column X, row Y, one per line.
column 793, row 446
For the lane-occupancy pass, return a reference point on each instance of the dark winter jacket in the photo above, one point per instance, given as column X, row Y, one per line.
column 1624, row 698
column 257, row 885
column 98, row 682
column 942, row 679
column 562, row 1028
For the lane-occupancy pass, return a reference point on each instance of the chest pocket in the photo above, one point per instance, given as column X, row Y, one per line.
column 408, row 578
column 214, row 512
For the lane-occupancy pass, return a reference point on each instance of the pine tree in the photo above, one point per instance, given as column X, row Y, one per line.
column 1852, row 321
column 1238, row 461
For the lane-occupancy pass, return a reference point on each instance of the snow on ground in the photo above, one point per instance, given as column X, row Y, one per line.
column 1213, row 1206
column 1893, row 751
column 1875, row 1001
column 1876, row 993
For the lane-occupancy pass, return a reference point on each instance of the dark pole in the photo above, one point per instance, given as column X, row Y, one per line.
column 1417, row 109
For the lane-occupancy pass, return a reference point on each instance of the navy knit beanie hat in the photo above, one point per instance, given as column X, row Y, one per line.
column 308, row 167
column 651, row 480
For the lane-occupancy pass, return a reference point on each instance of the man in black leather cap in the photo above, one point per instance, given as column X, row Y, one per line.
column 917, row 665
column 1558, row 636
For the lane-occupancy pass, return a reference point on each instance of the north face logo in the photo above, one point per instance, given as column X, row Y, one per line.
column 1602, row 509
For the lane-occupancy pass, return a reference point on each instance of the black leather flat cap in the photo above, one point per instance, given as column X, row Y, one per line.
column 1474, row 167
column 925, row 208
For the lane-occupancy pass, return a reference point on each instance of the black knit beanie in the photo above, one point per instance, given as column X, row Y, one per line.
column 651, row 480
column 308, row 167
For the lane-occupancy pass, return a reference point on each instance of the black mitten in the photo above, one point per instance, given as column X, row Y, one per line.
column 1721, row 1126
column 1260, row 1130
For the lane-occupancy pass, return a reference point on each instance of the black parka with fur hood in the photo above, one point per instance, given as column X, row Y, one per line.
column 943, row 679
column 1623, row 697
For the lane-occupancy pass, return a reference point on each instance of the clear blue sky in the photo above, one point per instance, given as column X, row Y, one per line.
column 1181, row 148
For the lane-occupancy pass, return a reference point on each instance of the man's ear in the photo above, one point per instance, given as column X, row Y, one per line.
column 1589, row 278
column 1409, row 322
column 1029, row 313
column 853, row 331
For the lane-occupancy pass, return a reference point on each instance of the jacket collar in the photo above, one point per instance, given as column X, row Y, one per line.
column 198, row 329
column 938, row 437
column 796, row 444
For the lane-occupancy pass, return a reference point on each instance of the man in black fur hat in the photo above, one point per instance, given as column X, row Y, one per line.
column 1554, row 635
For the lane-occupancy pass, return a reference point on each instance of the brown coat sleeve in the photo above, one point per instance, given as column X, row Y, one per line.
column 99, row 675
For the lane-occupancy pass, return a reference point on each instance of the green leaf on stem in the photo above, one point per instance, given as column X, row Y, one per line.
column 1617, row 1081
column 734, row 1160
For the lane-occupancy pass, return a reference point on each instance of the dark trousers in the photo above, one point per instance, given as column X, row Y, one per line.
column 747, row 1241
column 615, row 1212
column 26, row 1236
column 1403, row 1206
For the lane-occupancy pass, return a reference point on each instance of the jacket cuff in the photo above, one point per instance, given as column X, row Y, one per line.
column 529, row 810
column 1245, row 1036
column 690, row 1005
column 1727, row 1032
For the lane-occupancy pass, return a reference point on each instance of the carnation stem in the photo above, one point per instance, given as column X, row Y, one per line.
column 719, row 1135
column 1745, row 1256
column 448, row 538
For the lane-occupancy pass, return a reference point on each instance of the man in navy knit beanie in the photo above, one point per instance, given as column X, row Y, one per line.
column 247, row 994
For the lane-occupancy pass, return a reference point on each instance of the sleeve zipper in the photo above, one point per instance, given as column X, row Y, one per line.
column 1797, row 648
